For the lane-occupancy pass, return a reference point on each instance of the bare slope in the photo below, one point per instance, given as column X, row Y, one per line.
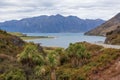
column 106, row 27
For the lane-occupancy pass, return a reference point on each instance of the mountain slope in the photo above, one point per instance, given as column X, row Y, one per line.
column 10, row 44
column 54, row 23
column 113, row 37
column 108, row 26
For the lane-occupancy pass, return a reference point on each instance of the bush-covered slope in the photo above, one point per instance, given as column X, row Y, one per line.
column 80, row 61
column 10, row 46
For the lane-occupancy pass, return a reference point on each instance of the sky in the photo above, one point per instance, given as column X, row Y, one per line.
column 90, row 9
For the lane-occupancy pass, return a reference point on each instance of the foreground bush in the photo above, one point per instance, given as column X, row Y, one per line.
column 16, row 74
column 78, row 54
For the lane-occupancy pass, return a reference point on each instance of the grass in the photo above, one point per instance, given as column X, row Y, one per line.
column 34, row 37
column 25, row 37
column 17, row 34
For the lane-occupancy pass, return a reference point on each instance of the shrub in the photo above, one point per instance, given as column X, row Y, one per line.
column 78, row 54
column 31, row 56
column 15, row 74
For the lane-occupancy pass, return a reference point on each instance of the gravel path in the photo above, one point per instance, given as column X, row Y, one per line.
column 108, row 46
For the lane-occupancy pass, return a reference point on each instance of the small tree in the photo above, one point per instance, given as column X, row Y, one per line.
column 63, row 58
column 78, row 54
column 53, row 62
column 31, row 56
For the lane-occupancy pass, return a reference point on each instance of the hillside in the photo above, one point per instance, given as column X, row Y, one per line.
column 106, row 27
column 10, row 44
column 50, row 24
column 80, row 61
column 10, row 47
column 113, row 37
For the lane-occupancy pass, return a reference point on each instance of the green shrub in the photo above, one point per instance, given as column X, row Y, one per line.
column 78, row 54
column 16, row 74
column 31, row 56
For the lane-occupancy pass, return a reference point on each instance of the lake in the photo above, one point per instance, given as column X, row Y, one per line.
column 63, row 39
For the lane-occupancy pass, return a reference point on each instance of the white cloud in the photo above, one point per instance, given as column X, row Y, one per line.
column 17, row 9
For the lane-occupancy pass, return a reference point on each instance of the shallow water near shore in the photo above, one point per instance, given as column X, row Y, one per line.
column 63, row 39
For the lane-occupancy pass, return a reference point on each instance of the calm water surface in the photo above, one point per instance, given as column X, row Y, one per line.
column 63, row 39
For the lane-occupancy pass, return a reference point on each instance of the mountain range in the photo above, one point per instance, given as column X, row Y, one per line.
column 51, row 24
column 110, row 25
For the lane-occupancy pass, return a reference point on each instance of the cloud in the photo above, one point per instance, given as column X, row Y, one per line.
column 18, row 9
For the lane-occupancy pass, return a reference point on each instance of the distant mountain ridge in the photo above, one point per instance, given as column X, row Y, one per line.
column 108, row 26
column 51, row 24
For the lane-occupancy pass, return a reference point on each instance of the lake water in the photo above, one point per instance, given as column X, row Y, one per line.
column 63, row 39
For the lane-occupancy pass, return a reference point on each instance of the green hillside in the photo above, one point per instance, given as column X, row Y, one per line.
column 80, row 61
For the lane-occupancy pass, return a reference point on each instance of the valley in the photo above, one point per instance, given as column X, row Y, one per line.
column 59, row 40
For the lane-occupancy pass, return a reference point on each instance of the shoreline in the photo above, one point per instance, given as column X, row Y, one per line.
column 26, row 37
column 35, row 37
column 95, row 43
column 106, row 45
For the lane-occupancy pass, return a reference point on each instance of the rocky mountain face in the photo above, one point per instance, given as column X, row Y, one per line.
column 50, row 24
column 113, row 37
column 106, row 27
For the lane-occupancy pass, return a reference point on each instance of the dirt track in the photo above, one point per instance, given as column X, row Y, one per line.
column 108, row 46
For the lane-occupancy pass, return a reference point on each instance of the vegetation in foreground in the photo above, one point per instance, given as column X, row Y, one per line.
column 80, row 61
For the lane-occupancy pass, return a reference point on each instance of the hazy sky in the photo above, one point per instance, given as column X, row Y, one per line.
column 92, row 9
